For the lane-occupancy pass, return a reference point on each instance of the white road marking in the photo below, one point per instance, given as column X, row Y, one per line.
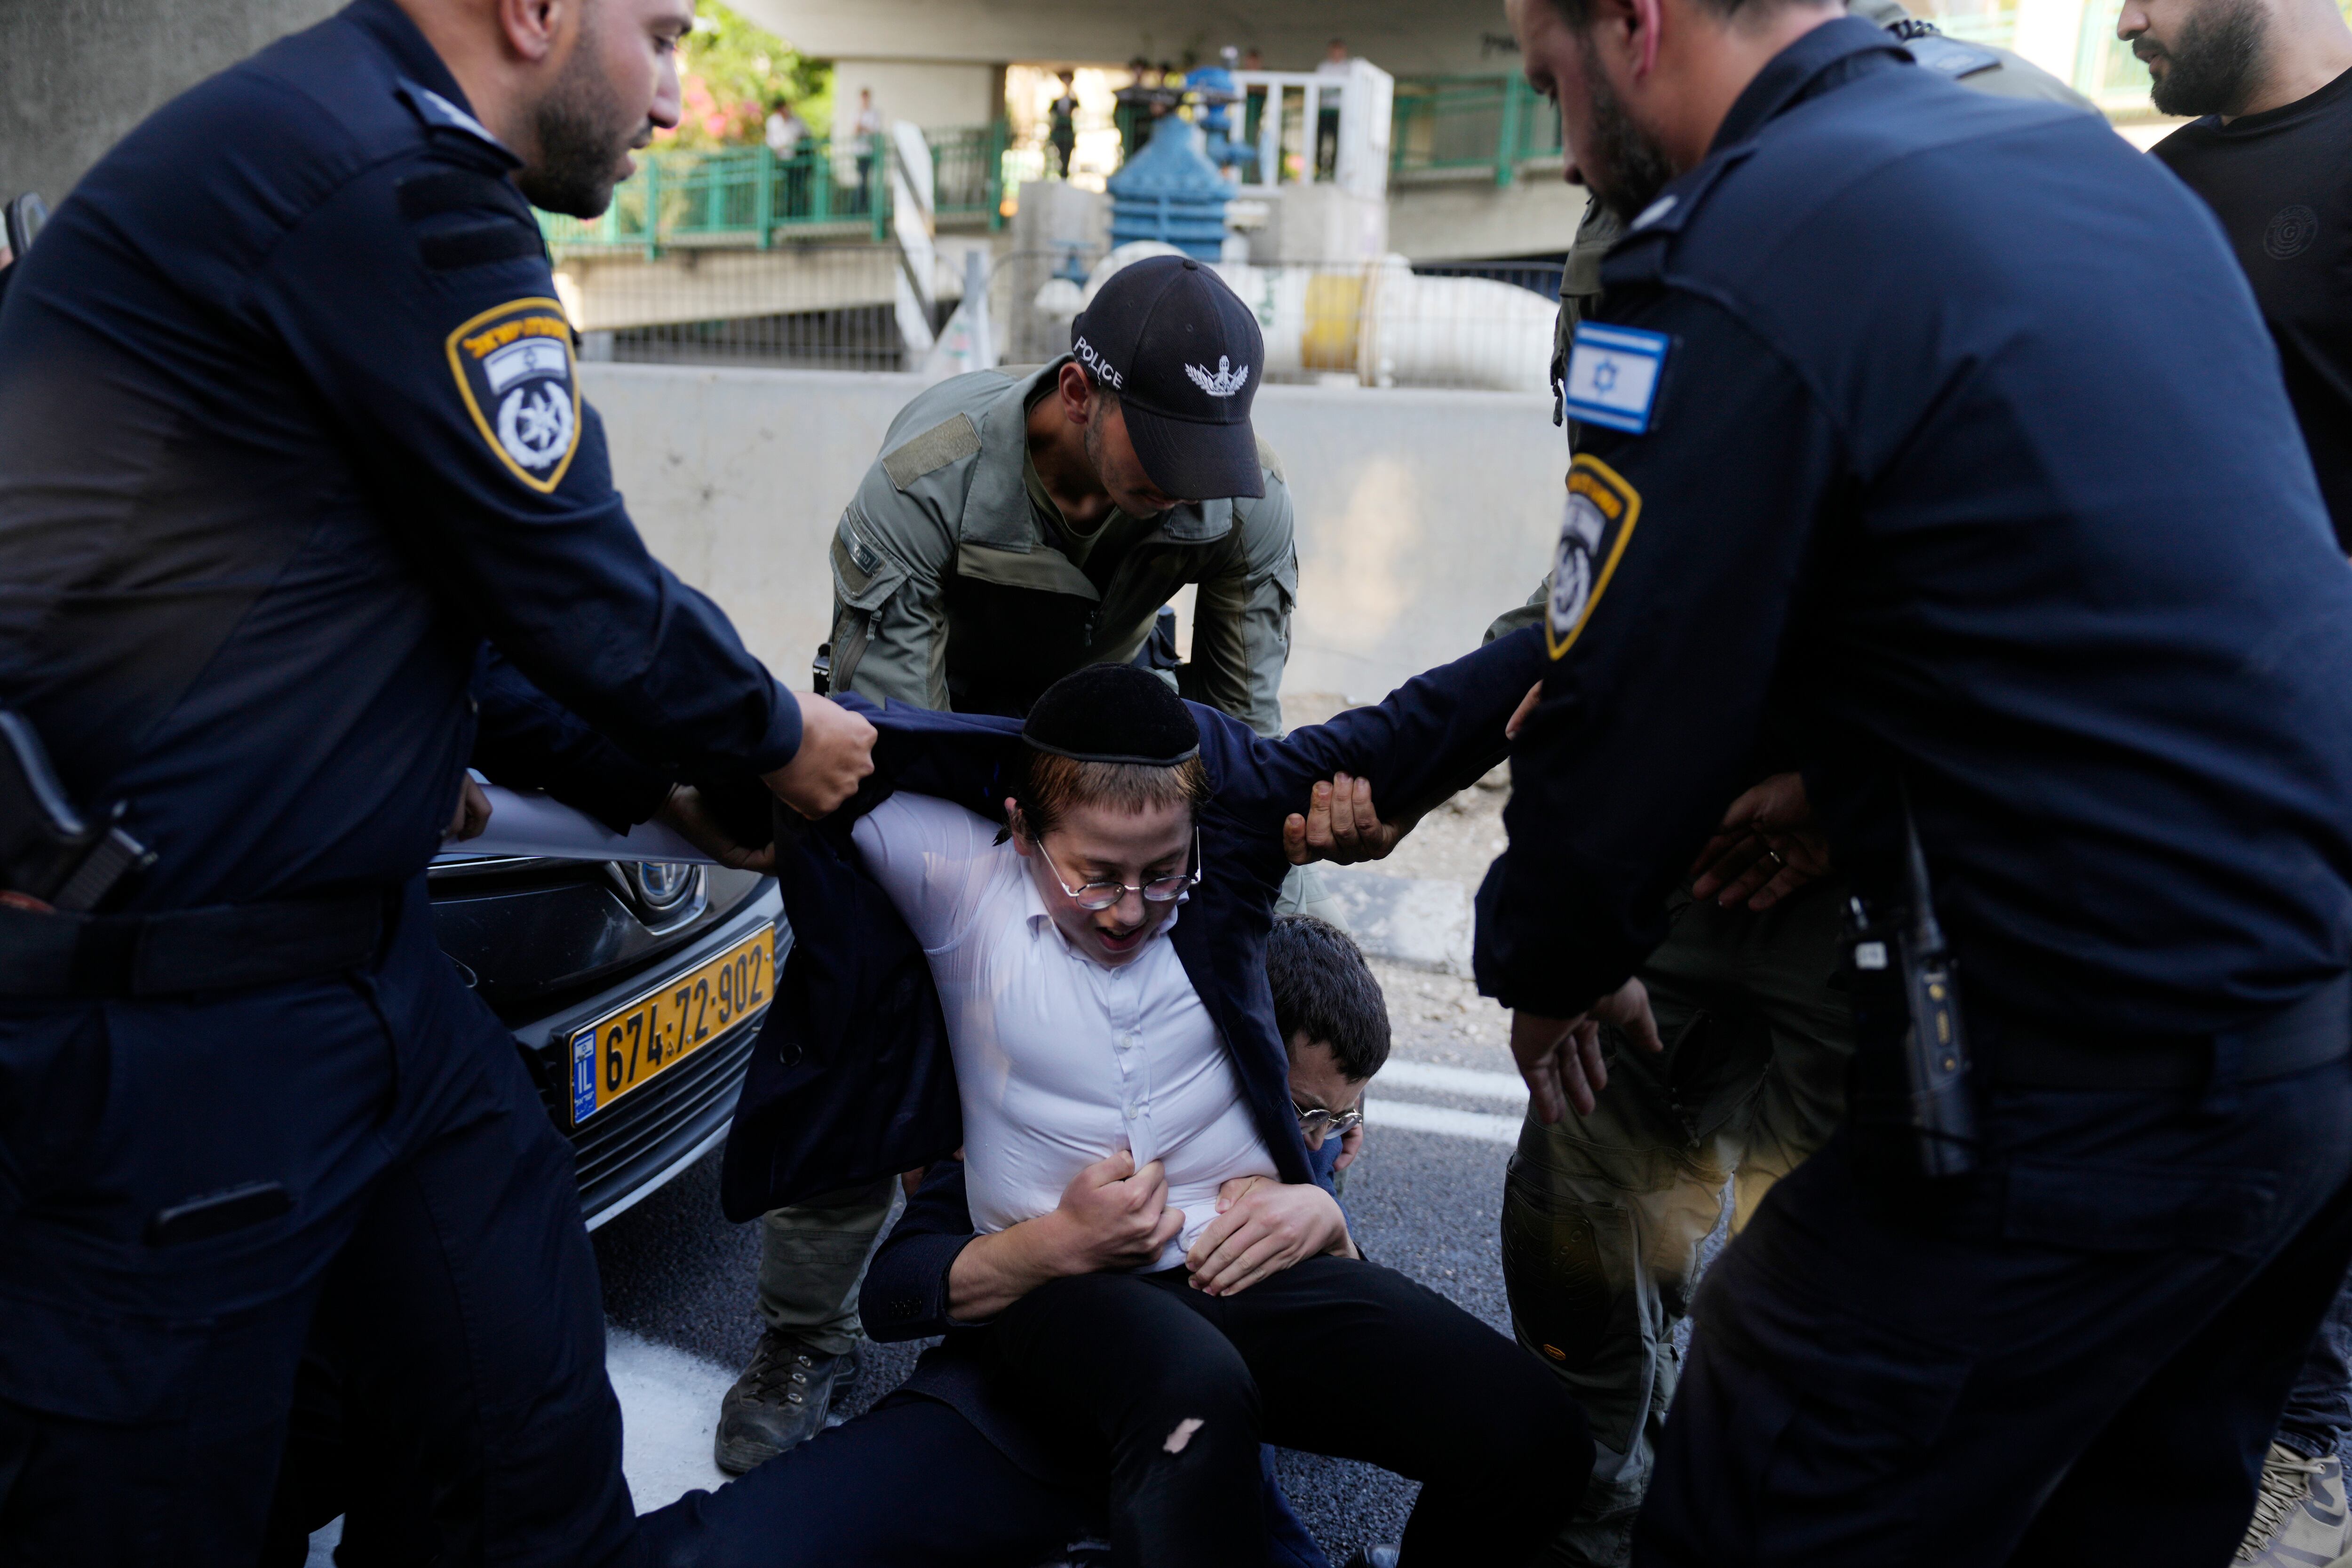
column 669, row 1415
column 1412, row 1118
column 1508, row 1086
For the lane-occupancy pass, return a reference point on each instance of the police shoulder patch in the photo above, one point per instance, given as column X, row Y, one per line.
column 1601, row 511
column 515, row 373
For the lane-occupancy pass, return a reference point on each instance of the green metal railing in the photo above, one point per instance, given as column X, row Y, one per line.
column 1492, row 124
column 968, row 172
column 750, row 197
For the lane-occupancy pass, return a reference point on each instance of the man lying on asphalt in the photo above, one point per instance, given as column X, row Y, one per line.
column 1114, row 1059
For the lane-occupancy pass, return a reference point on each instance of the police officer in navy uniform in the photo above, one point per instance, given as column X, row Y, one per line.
column 1606, row 1215
column 1891, row 429
column 289, row 422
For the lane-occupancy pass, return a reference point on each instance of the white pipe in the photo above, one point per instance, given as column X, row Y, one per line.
column 1391, row 328
column 1454, row 332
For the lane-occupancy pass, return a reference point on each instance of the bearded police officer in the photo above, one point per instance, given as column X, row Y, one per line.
column 1604, row 1214
column 1878, row 440
column 1016, row 527
column 289, row 422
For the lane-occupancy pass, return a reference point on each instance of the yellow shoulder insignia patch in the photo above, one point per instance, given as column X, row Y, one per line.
column 1601, row 511
column 515, row 372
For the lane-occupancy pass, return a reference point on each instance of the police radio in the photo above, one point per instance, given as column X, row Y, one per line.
column 1910, row 1100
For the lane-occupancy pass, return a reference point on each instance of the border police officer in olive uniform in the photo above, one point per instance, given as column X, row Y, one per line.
column 962, row 580
column 289, row 422
column 1990, row 545
column 1016, row 527
column 1604, row 1215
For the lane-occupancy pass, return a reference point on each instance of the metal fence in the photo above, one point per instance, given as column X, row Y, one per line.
column 807, row 305
column 828, row 306
column 855, row 337
column 1458, row 125
column 748, row 196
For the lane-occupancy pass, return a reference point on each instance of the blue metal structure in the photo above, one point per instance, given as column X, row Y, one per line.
column 1170, row 192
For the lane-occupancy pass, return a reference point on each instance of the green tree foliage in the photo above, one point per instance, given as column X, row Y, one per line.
column 732, row 72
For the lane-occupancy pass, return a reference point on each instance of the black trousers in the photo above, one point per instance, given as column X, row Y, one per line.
column 145, row 1378
column 1333, row 1356
column 2077, row 1355
column 909, row 1484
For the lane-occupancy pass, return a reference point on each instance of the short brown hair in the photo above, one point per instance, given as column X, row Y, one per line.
column 1051, row 785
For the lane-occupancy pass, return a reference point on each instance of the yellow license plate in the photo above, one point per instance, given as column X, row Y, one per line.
column 630, row 1047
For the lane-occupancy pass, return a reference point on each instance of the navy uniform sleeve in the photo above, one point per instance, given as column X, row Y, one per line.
column 1680, row 553
column 524, row 739
column 419, row 303
column 1435, row 735
column 905, row 1296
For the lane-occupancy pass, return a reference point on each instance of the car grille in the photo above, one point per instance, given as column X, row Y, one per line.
column 630, row 1142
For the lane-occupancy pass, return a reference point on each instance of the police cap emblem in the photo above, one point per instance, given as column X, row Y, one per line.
column 515, row 372
column 1601, row 511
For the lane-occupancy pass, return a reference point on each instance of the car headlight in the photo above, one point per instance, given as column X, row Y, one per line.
column 660, row 886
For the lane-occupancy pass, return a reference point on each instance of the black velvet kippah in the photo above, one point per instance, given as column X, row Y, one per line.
column 1113, row 713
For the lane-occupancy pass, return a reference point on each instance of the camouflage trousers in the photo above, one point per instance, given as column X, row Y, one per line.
column 1604, row 1217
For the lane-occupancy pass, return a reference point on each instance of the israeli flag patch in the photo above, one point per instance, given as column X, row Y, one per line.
column 1612, row 376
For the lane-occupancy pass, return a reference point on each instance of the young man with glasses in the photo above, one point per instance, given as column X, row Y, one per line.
column 1334, row 1025
column 1135, row 1276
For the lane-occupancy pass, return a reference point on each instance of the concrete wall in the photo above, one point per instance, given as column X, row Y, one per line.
column 75, row 75
column 1464, row 220
column 1421, row 514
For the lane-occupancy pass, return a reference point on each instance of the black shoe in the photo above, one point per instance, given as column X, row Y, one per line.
column 781, row 1399
column 1374, row 1555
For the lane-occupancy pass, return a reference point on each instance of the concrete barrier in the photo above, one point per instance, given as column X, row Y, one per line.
column 1421, row 514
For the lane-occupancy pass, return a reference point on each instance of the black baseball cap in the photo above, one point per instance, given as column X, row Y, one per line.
column 1185, row 356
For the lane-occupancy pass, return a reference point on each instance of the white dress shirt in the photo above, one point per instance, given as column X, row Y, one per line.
column 1059, row 1060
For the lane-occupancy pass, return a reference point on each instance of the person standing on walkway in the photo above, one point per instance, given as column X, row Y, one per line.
column 866, row 130
column 1062, row 124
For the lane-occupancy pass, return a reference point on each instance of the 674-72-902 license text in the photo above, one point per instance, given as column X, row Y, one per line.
column 629, row 1047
